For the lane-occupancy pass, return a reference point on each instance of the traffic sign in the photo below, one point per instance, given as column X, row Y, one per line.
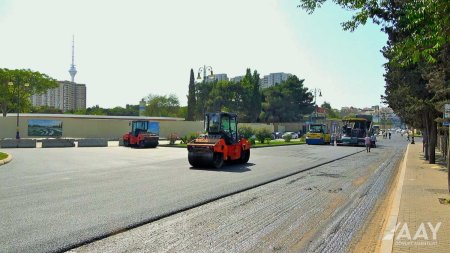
column 447, row 111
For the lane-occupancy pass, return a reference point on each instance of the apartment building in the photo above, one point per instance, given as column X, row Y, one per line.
column 68, row 96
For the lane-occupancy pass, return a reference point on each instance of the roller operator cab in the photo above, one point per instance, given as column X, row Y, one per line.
column 318, row 134
column 144, row 134
column 221, row 142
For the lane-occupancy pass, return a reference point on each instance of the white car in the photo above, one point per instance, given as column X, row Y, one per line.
column 294, row 135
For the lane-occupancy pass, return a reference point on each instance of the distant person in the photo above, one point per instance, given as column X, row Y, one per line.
column 373, row 139
column 390, row 135
column 368, row 143
column 407, row 135
column 424, row 142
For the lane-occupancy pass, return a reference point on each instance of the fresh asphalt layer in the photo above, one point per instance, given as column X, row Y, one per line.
column 324, row 209
column 54, row 199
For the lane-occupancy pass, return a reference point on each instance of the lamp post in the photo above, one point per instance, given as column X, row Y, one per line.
column 315, row 101
column 205, row 69
column 18, row 105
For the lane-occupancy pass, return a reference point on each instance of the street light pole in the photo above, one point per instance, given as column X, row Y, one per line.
column 18, row 106
column 205, row 69
column 315, row 101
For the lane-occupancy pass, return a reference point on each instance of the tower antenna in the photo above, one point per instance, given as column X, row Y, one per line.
column 73, row 70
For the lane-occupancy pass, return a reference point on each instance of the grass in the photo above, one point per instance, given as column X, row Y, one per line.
column 3, row 156
column 273, row 143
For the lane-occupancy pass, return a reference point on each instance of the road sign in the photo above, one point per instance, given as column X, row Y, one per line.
column 447, row 111
column 446, row 114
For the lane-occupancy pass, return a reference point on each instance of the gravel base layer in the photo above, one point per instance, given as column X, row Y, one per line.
column 320, row 210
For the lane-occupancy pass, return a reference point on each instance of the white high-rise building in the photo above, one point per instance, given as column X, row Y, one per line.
column 273, row 79
column 236, row 79
column 68, row 96
column 220, row 77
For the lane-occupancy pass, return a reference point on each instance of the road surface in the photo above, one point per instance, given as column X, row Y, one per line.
column 56, row 199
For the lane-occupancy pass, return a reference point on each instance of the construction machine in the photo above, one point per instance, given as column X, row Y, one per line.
column 144, row 134
column 221, row 142
column 355, row 130
column 318, row 134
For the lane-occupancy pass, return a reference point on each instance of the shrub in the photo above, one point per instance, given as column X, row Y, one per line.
column 192, row 136
column 246, row 131
column 252, row 140
column 184, row 139
column 262, row 134
column 172, row 138
column 268, row 140
column 287, row 137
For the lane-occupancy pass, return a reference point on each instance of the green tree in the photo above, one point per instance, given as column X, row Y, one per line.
column 287, row 101
column 326, row 105
column 45, row 109
column 251, row 97
column 162, row 106
column 38, row 83
column 203, row 90
column 331, row 113
column 191, row 98
column 243, row 98
column 418, row 53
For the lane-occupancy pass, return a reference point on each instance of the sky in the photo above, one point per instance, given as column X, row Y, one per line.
column 126, row 50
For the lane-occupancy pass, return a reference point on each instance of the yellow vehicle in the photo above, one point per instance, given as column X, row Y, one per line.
column 318, row 134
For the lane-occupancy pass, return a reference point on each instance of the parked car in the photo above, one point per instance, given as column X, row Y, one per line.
column 293, row 134
column 277, row 135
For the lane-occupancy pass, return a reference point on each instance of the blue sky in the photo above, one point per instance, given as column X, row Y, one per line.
column 346, row 66
column 126, row 50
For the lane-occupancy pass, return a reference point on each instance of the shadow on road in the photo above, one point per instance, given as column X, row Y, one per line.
column 229, row 167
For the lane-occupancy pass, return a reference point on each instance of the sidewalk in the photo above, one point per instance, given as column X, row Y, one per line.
column 420, row 210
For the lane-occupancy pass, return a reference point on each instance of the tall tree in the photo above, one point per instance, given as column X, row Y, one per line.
column 38, row 83
column 202, row 91
column 418, row 49
column 162, row 106
column 191, row 98
column 251, row 106
column 326, row 105
column 286, row 102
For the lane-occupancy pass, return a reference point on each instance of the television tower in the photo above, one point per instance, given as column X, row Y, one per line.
column 73, row 70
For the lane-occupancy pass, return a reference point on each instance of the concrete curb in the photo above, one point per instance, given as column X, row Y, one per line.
column 20, row 143
column 93, row 142
column 6, row 160
column 58, row 143
column 387, row 242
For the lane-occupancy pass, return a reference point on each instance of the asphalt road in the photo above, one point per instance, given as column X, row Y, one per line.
column 54, row 199
column 320, row 210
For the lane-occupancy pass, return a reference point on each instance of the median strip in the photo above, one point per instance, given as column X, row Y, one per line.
column 5, row 158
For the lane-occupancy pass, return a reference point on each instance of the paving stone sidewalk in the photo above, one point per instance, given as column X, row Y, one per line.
column 420, row 209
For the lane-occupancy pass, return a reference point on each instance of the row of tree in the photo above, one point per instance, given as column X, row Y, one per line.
column 285, row 102
column 128, row 110
column 418, row 57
